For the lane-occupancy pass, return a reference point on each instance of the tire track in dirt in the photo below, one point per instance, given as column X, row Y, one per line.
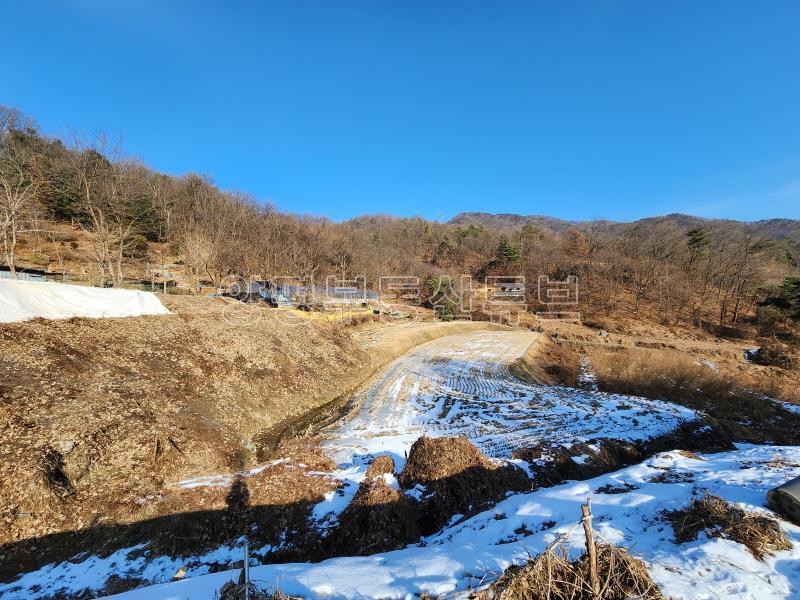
column 462, row 385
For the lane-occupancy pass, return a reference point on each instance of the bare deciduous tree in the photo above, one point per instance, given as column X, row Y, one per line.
column 20, row 179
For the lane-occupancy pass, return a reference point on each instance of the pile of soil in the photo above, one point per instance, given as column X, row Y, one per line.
column 379, row 518
column 382, row 465
column 457, row 478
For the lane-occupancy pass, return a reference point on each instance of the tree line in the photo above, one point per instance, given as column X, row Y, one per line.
column 704, row 274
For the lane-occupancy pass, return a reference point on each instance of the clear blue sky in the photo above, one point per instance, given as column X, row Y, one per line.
column 574, row 109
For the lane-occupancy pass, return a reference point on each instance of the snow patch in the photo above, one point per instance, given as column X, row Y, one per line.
column 455, row 559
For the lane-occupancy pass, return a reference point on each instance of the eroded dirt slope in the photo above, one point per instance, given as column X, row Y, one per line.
column 97, row 413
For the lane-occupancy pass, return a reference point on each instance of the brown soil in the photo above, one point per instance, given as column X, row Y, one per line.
column 379, row 518
column 547, row 362
column 458, row 479
column 383, row 465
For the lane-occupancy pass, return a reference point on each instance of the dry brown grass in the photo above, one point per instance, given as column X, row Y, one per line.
column 718, row 518
column 100, row 413
column 740, row 412
column 553, row 576
column 240, row 591
column 547, row 362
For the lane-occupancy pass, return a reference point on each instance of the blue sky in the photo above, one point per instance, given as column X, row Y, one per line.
column 573, row 109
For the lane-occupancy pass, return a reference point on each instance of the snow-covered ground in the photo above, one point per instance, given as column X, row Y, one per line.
column 23, row 300
column 461, row 385
column 474, row 552
column 795, row 408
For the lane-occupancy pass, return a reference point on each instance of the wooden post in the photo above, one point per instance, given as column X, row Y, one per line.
column 591, row 548
column 246, row 568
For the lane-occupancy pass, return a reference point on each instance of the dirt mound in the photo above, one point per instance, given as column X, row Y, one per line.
column 718, row 518
column 457, row 479
column 553, row 576
column 379, row 518
column 431, row 459
column 383, row 465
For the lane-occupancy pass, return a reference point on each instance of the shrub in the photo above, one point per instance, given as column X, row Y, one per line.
column 775, row 354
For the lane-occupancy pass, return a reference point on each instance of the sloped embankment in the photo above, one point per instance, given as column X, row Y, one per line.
column 99, row 416
column 98, row 413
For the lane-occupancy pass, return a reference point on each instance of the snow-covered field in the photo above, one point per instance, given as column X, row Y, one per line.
column 461, row 385
column 474, row 552
column 23, row 300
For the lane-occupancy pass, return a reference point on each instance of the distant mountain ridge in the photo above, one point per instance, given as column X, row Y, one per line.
column 773, row 228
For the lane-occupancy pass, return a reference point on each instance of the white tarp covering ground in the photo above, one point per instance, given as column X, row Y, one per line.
column 461, row 556
column 23, row 300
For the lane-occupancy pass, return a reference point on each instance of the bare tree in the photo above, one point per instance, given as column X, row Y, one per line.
column 123, row 186
column 13, row 119
column 162, row 197
column 90, row 168
column 20, row 179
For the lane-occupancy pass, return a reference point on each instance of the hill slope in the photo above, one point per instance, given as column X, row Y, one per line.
column 777, row 229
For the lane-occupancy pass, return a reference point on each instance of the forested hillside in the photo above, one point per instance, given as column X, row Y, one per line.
column 80, row 206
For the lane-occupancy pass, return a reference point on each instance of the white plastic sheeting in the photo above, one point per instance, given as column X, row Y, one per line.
column 23, row 300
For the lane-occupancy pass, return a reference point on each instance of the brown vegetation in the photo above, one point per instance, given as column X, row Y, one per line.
column 82, row 207
column 553, row 576
column 249, row 591
column 98, row 414
column 552, row 465
column 102, row 416
column 718, row 518
column 741, row 411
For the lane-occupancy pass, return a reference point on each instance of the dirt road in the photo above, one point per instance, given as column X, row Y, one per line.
column 461, row 385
